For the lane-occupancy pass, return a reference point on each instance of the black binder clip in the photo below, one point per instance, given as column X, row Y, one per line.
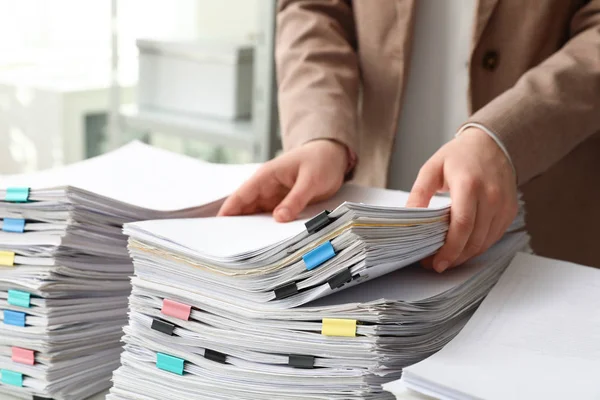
column 318, row 222
column 340, row 279
column 215, row 356
column 300, row 361
column 162, row 326
column 286, row 291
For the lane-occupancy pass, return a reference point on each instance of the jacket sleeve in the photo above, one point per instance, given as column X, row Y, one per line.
column 317, row 72
column 555, row 105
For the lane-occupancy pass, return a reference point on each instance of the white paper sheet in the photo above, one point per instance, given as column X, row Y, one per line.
column 536, row 336
column 143, row 176
column 240, row 234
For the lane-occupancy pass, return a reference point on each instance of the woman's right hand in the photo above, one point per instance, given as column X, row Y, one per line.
column 288, row 183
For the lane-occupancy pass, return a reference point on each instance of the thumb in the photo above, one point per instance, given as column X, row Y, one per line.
column 296, row 200
column 429, row 180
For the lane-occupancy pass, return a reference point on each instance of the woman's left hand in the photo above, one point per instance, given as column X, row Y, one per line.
column 483, row 190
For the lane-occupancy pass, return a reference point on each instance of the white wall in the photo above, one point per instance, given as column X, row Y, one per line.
column 73, row 37
column 228, row 19
column 83, row 26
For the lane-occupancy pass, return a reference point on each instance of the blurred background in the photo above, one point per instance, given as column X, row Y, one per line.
column 78, row 78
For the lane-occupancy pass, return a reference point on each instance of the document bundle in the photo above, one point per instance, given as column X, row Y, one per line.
column 535, row 336
column 327, row 307
column 64, row 266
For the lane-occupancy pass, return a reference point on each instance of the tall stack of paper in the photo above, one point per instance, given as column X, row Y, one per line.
column 536, row 336
column 219, row 305
column 64, row 267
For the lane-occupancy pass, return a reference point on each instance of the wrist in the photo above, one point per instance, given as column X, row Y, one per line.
column 478, row 129
column 341, row 152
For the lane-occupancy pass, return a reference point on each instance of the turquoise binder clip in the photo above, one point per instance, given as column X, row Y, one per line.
column 19, row 299
column 169, row 363
column 318, row 256
column 17, row 194
column 13, row 225
column 11, row 378
column 14, row 318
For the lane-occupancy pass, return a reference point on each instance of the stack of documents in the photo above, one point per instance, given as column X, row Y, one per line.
column 64, row 266
column 536, row 336
column 247, row 308
column 257, row 260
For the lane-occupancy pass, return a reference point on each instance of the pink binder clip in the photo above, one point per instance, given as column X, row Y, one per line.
column 176, row 310
column 23, row 356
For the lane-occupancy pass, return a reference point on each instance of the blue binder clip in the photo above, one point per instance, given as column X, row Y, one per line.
column 318, row 256
column 14, row 318
column 13, row 225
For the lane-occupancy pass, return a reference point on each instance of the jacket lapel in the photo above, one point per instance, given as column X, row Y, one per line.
column 485, row 8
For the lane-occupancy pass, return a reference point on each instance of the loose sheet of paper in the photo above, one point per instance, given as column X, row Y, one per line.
column 240, row 234
column 537, row 335
column 143, row 176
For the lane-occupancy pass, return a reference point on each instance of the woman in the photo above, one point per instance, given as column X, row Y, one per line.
column 362, row 82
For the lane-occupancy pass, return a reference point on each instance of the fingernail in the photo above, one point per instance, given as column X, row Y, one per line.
column 283, row 214
column 442, row 266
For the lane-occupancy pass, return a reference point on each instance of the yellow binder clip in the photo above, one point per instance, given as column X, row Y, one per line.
column 339, row 327
column 7, row 258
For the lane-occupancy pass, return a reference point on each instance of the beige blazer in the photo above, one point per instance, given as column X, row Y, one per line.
column 534, row 81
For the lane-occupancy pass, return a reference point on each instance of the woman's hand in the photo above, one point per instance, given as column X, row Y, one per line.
column 287, row 184
column 483, row 189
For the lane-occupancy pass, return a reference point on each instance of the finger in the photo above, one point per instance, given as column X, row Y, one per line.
column 501, row 227
column 233, row 205
column 501, row 224
column 297, row 199
column 479, row 236
column 462, row 221
column 243, row 200
column 427, row 262
column 428, row 182
column 497, row 230
column 511, row 212
column 495, row 233
column 270, row 197
column 490, row 239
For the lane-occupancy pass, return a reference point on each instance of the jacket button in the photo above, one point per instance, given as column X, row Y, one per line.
column 491, row 60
